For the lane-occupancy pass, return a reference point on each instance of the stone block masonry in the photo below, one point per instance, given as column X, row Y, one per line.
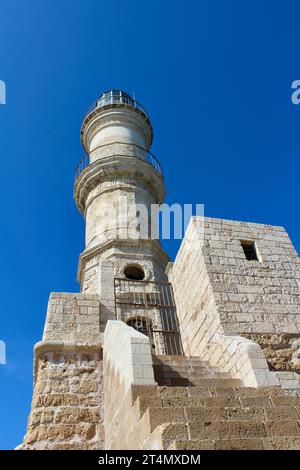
column 260, row 296
column 195, row 407
column 67, row 411
column 223, row 298
column 74, row 317
column 282, row 351
column 67, row 406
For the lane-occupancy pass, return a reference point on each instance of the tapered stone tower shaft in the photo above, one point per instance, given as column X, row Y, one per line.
column 115, row 187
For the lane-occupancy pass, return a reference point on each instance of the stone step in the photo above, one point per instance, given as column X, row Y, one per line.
column 221, row 400
column 241, row 391
column 265, row 443
column 243, row 396
column 286, row 401
column 228, row 398
column 270, row 392
column 224, row 444
column 184, row 364
column 265, row 414
column 173, row 393
column 177, row 359
column 171, row 374
column 173, row 382
column 223, row 434
column 198, row 407
column 232, row 421
column 161, row 415
column 216, row 382
column 197, row 379
column 184, row 370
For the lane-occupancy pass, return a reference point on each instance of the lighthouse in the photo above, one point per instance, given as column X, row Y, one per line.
column 115, row 368
column 116, row 184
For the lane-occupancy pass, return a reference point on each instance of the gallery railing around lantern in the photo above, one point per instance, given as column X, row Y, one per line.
column 120, row 149
column 115, row 97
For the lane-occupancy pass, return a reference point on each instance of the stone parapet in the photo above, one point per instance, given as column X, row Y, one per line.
column 128, row 352
column 127, row 362
column 67, row 406
column 74, row 318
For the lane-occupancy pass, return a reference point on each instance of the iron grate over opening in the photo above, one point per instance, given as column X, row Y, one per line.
column 149, row 307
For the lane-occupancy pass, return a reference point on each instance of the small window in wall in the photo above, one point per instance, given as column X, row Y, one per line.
column 249, row 250
column 134, row 273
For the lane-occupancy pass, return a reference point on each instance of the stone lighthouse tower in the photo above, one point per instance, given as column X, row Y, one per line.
column 121, row 275
column 115, row 187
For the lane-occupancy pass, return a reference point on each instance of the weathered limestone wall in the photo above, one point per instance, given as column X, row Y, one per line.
column 282, row 351
column 253, row 296
column 67, row 408
column 223, row 299
column 74, row 317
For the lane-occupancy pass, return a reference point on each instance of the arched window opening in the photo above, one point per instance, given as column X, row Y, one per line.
column 144, row 326
column 139, row 324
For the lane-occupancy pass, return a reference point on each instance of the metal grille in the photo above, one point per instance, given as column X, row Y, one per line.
column 149, row 307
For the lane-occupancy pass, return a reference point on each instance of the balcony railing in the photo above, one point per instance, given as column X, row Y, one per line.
column 115, row 97
column 119, row 149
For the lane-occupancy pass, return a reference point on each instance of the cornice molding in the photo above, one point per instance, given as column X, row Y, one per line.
column 114, row 167
column 86, row 255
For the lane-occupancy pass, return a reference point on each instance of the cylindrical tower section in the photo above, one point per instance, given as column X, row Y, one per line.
column 116, row 123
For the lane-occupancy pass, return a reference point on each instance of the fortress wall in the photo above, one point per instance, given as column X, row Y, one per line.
column 221, row 294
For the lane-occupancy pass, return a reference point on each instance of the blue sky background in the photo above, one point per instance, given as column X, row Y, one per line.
column 215, row 76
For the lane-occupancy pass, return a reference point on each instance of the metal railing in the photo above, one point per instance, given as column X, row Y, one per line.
column 120, row 149
column 149, row 307
column 115, row 97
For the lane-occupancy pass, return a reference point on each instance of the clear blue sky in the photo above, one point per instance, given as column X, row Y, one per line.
column 215, row 76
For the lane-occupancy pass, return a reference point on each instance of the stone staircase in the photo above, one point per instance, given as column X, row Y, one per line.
column 198, row 407
column 183, row 371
